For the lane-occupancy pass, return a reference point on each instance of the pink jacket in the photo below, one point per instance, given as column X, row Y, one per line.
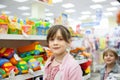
column 69, row 69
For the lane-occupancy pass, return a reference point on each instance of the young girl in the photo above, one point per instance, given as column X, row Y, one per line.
column 111, row 67
column 61, row 66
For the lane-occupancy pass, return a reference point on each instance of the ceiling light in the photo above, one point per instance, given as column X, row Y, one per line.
column 96, row 6
column 96, row 1
column 20, row 0
column 86, row 12
column 70, row 19
column 23, row 8
column 2, row 6
column 112, row 9
column 115, row 3
column 84, row 17
column 108, row 14
column 70, row 10
column 49, row 14
column 93, row 17
column 57, row 1
column 26, row 14
column 68, row 5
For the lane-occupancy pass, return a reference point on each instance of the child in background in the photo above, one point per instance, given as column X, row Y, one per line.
column 61, row 66
column 111, row 67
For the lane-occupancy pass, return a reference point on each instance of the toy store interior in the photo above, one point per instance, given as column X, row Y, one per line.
column 93, row 24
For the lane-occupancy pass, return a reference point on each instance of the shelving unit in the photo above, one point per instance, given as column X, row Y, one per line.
column 26, row 76
column 21, row 37
column 12, row 40
column 6, row 40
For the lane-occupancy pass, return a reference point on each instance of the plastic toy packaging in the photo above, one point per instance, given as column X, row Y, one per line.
column 4, row 21
column 27, row 29
column 22, row 66
column 12, row 75
column 2, row 73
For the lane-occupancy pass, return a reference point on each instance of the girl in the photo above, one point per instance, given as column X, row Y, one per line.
column 111, row 67
column 61, row 66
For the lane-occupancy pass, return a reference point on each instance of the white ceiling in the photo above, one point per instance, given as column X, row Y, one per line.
column 56, row 9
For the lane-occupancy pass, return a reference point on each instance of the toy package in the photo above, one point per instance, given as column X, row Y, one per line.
column 4, row 22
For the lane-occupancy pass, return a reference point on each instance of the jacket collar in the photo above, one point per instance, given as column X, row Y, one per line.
column 49, row 61
column 114, row 69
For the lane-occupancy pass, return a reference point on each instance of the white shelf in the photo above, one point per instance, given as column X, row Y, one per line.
column 82, row 61
column 26, row 76
column 21, row 37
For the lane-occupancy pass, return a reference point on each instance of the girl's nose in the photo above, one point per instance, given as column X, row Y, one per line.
column 108, row 56
column 55, row 41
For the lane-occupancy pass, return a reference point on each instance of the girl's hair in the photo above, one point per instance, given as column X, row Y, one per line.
column 111, row 51
column 64, row 31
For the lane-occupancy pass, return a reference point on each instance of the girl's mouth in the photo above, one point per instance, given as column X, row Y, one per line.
column 56, row 47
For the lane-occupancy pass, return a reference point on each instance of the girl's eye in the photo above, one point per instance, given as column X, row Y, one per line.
column 106, row 55
column 51, row 39
column 111, row 55
column 60, row 38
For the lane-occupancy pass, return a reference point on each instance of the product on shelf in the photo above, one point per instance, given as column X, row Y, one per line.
column 79, row 53
column 27, row 47
column 27, row 29
column 13, row 61
column 78, row 49
column 33, row 54
column 14, row 28
column 27, row 58
column 75, row 34
column 6, row 52
column 34, row 64
column 41, row 60
column 4, row 22
column 42, row 27
column 8, row 67
column 3, row 60
column 22, row 67
column 2, row 73
column 86, row 54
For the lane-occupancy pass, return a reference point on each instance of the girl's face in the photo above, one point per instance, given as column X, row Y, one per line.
column 109, row 58
column 57, row 44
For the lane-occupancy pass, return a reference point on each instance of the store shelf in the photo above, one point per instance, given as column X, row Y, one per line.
column 26, row 76
column 82, row 61
column 14, row 41
column 21, row 37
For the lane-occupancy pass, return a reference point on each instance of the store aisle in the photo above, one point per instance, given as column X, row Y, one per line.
column 94, row 76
